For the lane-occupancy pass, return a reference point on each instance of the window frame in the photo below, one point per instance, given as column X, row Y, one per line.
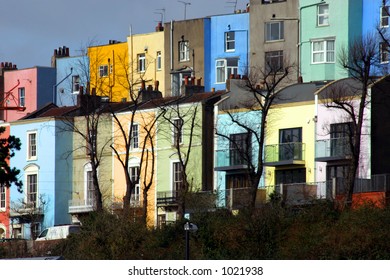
column 141, row 65
column 230, row 44
column 384, row 16
column 22, row 96
column 103, row 70
column 134, row 173
column 384, row 52
column 177, row 131
column 274, row 55
column 3, row 197
column 177, row 181
column 184, row 51
column 268, row 31
column 32, row 147
column 158, row 61
column 325, row 51
column 76, row 83
column 324, row 16
column 32, row 190
column 224, row 70
column 134, row 137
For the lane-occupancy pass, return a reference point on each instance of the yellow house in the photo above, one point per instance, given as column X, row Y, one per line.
column 141, row 159
column 146, row 56
column 290, row 141
column 109, row 70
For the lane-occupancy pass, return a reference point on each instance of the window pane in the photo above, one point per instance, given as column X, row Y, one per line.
column 220, row 71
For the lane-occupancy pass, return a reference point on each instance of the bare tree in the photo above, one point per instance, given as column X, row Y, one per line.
column 261, row 91
column 359, row 59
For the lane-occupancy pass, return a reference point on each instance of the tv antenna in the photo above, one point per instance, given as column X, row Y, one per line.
column 185, row 8
column 162, row 14
column 234, row 5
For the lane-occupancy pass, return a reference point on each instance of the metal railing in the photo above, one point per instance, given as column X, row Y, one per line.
column 284, row 152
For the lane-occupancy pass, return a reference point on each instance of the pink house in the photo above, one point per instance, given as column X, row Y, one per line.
column 25, row 91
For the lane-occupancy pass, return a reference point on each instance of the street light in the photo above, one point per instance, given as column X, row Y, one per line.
column 189, row 227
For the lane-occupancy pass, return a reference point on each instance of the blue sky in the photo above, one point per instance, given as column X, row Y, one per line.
column 30, row 30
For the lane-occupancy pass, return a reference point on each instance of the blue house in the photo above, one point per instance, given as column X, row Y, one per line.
column 229, row 48
column 236, row 147
column 72, row 73
column 376, row 15
column 46, row 172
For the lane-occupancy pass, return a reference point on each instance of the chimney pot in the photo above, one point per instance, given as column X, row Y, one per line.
column 156, row 84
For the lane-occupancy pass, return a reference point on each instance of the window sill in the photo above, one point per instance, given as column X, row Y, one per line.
column 274, row 41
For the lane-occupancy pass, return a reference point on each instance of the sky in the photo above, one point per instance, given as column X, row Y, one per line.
column 30, row 30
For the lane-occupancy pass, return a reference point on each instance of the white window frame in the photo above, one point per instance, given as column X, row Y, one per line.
column 175, row 131
column 184, row 51
column 174, row 180
column 230, row 41
column 384, row 52
column 134, row 141
column 89, row 195
column 158, row 61
column 141, row 62
column 384, row 16
column 32, row 147
column 325, row 51
column 269, row 28
column 32, row 194
column 3, row 198
column 76, row 83
column 323, row 16
column 22, row 96
column 134, row 172
column 103, row 70
column 223, row 69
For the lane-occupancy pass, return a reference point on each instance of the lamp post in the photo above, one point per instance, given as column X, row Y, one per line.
column 189, row 227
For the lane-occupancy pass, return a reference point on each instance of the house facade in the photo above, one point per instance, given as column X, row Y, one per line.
column 186, row 51
column 147, row 59
column 29, row 88
column 229, row 49
column 45, row 173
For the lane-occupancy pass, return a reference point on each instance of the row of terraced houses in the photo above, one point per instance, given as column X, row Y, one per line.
column 190, row 80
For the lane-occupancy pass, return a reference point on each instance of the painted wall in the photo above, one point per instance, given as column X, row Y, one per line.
column 81, row 160
column 193, row 31
column 66, row 68
column 260, row 14
column 226, row 126
column 345, row 24
column 148, row 44
column 239, row 23
column 292, row 115
column 53, row 170
column 4, row 212
column 167, row 154
column 145, row 120
column 115, row 56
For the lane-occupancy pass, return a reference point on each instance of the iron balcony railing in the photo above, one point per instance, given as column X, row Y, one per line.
column 285, row 152
column 167, row 198
column 337, row 148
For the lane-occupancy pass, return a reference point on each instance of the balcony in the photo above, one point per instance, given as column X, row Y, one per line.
column 78, row 206
column 334, row 149
column 229, row 160
column 285, row 154
column 26, row 209
column 168, row 198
